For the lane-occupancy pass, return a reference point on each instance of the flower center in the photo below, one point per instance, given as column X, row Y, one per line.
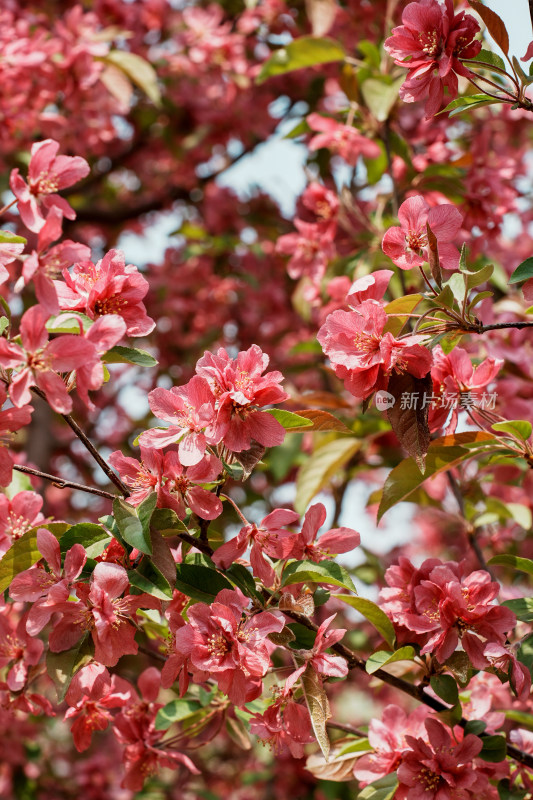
column 110, row 305
column 416, row 240
column 218, row 645
column 429, row 779
column 429, row 42
column 46, row 183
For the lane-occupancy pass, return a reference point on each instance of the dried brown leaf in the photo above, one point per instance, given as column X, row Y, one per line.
column 318, row 705
column 411, row 424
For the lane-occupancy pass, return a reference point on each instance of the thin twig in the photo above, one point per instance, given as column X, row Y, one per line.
column 61, row 483
column 113, row 477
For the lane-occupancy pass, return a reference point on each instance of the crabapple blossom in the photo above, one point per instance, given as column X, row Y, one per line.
column 344, row 140
column 230, row 647
column 285, row 724
column 108, row 287
column 431, row 44
column 334, row 541
column 407, row 245
column 18, row 650
column 11, row 420
column 39, row 361
column 90, row 696
column 48, row 173
column 241, row 390
column 18, row 515
column 8, row 252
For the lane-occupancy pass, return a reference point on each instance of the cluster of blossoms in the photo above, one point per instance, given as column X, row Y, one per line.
column 362, row 352
column 432, row 43
column 437, row 607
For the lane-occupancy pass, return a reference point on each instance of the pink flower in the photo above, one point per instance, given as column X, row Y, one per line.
column 369, row 287
column 387, row 739
column 181, row 487
column 8, row 252
column 17, row 516
column 334, row 541
column 11, row 420
column 47, row 262
column 145, row 753
column 190, row 410
column 502, row 659
column 407, row 245
column 90, row 696
column 285, row 724
column 39, row 361
column 19, row 650
column 318, row 659
column 47, row 590
column 104, row 333
column 430, row 44
column 143, row 476
column 241, row 389
column 440, row 769
column 310, row 250
column 104, row 612
column 363, row 355
column 345, row 140
column 109, row 287
column 48, row 173
column 267, row 538
column 231, row 646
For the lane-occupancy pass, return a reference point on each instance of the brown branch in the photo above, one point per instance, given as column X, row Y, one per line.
column 413, row 690
column 61, row 483
column 113, row 477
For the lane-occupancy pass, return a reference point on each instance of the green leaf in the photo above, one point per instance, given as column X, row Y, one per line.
column 200, row 583
column 129, row 355
column 402, row 305
column 505, row 792
column 382, row 657
column 147, row 578
column 521, row 564
column 328, row 572
column 93, row 537
column 406, row 476
column 288, row 419
column 522, row 607
column 131, row 527
column 6, row 237
column 523, row 272
column 520, row 428
column 167, row 522
column 373, row 614
column 23, row 553
column 306, row 51
column 61, row 667
column 523, row 718
column 356, row 746
column 494, row 749
column 175, row 711
column 525, row 652
column 317, row 471
column 138, row 70
column 383, row 789
column 445, row 687
column 74, row 323
column 489, row 58
column 474, row 278
column 475, row 726
column 467, row 102
column 243, row 578
column 380, row 95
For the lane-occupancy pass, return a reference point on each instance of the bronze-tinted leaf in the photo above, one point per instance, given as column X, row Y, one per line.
column 410, row 424
column 434, row 262
column 494, row 23
column 318, row 705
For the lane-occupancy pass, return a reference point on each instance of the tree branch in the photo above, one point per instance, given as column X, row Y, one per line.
column 61, row 483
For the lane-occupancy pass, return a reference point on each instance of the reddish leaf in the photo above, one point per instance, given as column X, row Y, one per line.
column 434, row 262
column 322, row 421
column 248, row 459
column 494, row 23
column 411, row 424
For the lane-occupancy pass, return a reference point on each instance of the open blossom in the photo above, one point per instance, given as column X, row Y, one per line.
column 440, row 769
column 190, row 410
column 38, row 361
column 143, row 476
column 18, row 651
column 182, row 486
column 285, row 724
column 90, row 696
column 17, row 516
column 431, row 44
column 310, row 249
column 454, row 374
column 145, row 752
column 369, row 287
column 46, row 263
column 443, row 608
column 102, row 610
column 47, row 590
column 407, row 245
column 48, row 173
column 269, row 538
column 317, row 658
column 502, row 659
column 334, row 541
column 222, row 640
column 108, row 287
column 344, row 140
column 241, row 390
column 386, row 736
column 363, row 355
column 11, row 420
